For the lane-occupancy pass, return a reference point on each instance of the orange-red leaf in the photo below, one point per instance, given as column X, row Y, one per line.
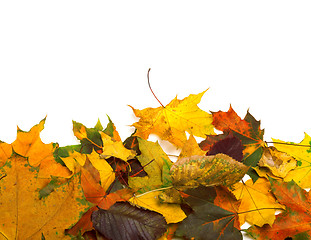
column 295, row 221
column 247, row 130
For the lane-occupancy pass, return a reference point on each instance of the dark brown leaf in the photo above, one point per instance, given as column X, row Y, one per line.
column 230, row 146
column 124, row 221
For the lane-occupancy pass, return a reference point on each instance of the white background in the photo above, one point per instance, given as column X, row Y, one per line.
column 81, row 60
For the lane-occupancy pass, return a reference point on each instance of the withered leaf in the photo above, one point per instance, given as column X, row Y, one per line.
column 214, row 170
column 278, row 163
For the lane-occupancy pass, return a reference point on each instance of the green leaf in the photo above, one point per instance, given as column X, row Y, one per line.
column 99, row 126
column 209, row 222
column 166, row 177
column 110, row 128
column 90, row 138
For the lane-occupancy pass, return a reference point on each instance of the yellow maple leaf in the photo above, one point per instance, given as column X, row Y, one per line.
column 29, row 144
column 302, row 173
column 258, row 205
column 172, row 212
column 24, row 215
column 115, row 148
column 171, row 122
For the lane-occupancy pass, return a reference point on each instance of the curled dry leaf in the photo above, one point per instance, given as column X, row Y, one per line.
column 219, row 169
column 279, row 163
column 302, row 153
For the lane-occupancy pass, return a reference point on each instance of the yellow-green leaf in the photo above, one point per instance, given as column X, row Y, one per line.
column 212, row 170
column 152, row 159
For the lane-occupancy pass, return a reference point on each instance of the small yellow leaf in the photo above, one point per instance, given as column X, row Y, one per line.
column 172, row 212
column 74, row 161
column 191, row 148
column 107, row 175
column 115, row 149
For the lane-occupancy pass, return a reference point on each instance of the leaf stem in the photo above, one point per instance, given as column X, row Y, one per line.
column 259, row 209
column 151, row 88
column 154, row 190
column 292, row 144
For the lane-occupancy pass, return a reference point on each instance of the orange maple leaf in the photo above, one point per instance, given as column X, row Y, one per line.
column 247, row 130
column 39, row 154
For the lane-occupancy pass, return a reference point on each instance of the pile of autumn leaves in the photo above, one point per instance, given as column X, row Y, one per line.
column 104, row 188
